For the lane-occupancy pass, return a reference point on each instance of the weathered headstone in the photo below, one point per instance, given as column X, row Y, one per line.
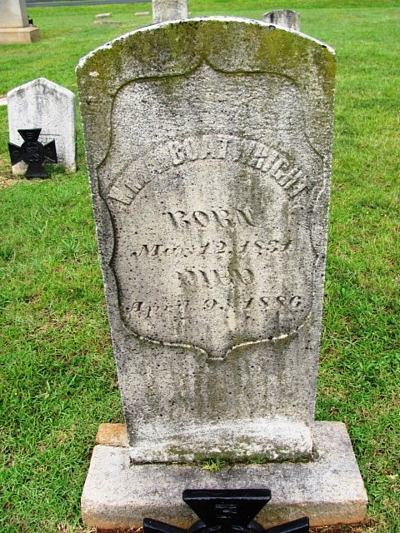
column 165, row 10
column 209, row 162
column 14, row 24
column 285, row 18
column 46, row 105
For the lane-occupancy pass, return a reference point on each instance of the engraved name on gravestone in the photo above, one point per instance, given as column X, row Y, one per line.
column 209, row 166
column 46, row 105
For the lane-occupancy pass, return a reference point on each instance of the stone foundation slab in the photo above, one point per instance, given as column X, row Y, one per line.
column 329, row 490
column 29, row 34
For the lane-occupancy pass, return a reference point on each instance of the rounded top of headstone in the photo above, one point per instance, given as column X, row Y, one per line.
column 197, row 37
column 173, row 50
column 227, row 44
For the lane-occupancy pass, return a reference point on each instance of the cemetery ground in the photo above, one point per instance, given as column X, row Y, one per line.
column 57, row 378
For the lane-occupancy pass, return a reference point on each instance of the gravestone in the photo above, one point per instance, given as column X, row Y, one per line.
column 283, row 17
column 165, row 10
column 46, row 105
column 14, row 24
column 209, row 162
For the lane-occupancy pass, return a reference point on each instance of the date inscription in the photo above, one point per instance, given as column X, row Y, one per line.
column 213, row 266
column 218, row 248
column 181, row 309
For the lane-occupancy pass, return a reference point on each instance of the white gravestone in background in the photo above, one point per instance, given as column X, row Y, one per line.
column 13, row 14
column 14, row 24
column 164, row 10
column 283, row 17
column 46, row 105
column 209, row 150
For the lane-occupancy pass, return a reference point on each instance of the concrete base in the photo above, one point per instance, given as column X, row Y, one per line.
column 29, row 34
column 329, row 490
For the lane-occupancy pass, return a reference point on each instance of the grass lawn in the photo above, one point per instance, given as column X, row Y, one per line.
column 57, row 375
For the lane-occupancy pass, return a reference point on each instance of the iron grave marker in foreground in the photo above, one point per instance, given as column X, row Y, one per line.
column 33, row 153
column 227, row 511
column 209, row 150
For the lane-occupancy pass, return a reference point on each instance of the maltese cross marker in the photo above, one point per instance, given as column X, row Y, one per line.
column 227, row 511
column 33, row 153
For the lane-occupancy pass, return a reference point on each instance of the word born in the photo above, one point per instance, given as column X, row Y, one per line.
column 221, row 217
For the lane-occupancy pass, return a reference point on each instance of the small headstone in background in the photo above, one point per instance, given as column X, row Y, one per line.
column 208, row 144
column 164, row 10
column 46, row 105
column 15, row 27
column 285, row 18
column 142, row 13
column 103, row 16
column 109, row 22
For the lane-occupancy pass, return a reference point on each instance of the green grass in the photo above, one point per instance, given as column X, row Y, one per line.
column 57, row 377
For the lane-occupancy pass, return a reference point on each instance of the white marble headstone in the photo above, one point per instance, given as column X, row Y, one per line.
column 209, row 151
column 14, row 23
column 46, row 105
column 165, row 10
column 286, row 18
column 13, row 14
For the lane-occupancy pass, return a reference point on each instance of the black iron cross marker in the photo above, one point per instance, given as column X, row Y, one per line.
column 227, row 511
column 33, row 153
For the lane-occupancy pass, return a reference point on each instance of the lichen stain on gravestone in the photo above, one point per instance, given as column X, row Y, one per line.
column 212, row 242
column 208, row 145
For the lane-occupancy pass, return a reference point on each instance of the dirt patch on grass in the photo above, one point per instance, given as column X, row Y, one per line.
column 6, row 177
